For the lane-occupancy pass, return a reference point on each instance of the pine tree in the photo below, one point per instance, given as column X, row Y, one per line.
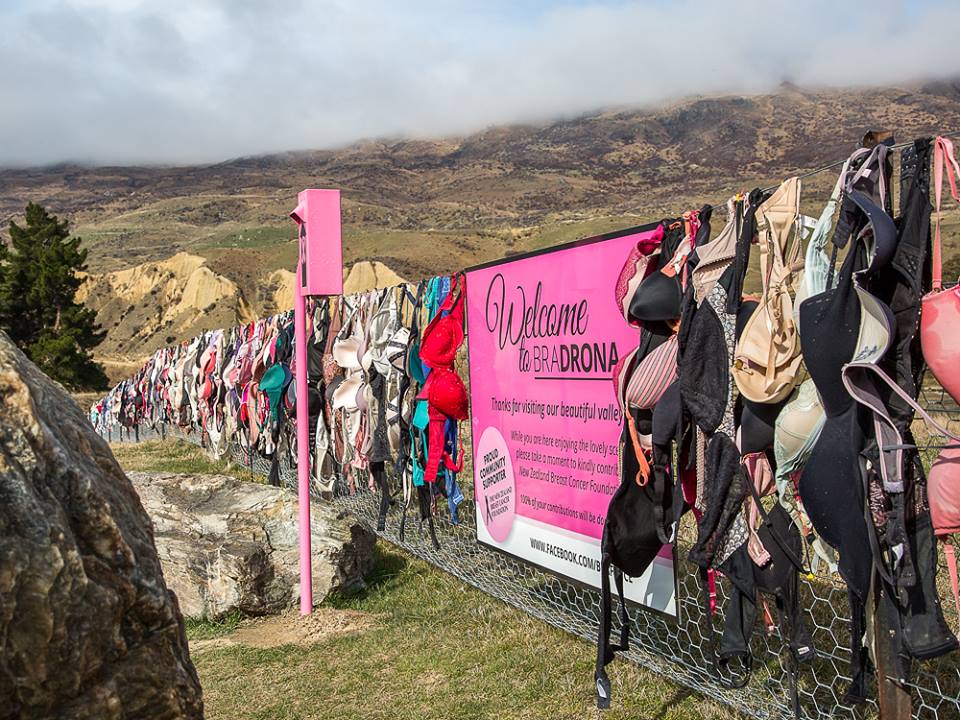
column 38, row 285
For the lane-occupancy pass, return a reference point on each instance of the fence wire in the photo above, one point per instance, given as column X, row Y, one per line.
column 679, row 649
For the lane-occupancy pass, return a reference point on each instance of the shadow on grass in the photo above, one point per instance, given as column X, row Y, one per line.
column 388, row 575
column 208, row 628
column 680, row 695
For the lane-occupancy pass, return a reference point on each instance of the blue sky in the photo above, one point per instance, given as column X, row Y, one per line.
column 119, row 81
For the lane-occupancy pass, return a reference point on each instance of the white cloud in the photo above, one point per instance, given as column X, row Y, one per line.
column 203, row 80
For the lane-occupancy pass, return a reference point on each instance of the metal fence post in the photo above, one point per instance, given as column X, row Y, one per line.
column 895, row 700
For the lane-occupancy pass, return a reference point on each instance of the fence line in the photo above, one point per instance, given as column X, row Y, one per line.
column 678, row 649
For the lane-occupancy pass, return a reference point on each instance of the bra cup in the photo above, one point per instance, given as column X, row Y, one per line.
column 797, row 427
column 757, row 423
column 658, row 298
column 628, row 365
column 444, row 335
column 829, row 329
column 397, row 347
column 714, row 257
column 439, row 347
column 652, row 375
column 445, row 391
column 831, row 488
column 637, row 266
column 421, row 417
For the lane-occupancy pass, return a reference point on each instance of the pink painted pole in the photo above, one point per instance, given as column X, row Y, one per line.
column 303, row 449
column 319, row 273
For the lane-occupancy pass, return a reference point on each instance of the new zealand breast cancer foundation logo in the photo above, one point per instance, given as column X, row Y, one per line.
column 495, row 486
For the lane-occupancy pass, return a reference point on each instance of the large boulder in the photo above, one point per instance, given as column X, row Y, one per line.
column 228, row 545
column 88, row 628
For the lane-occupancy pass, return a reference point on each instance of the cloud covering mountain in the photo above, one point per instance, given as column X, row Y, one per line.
column 134, row 81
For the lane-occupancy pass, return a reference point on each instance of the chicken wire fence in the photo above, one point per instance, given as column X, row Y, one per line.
column 677, row 648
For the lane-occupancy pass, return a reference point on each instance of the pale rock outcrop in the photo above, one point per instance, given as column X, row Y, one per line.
column 366, row 275
column 362, row 275
column 228, row 545
column 281, row 281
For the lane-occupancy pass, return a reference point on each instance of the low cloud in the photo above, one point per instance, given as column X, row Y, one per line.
column 132, row 81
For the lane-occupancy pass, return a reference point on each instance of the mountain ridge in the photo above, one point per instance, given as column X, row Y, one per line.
column 427, row 206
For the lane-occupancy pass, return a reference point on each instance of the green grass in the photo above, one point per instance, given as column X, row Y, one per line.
column 440, row 649
column 175, row 456
column 250, row 237
column 207, row 628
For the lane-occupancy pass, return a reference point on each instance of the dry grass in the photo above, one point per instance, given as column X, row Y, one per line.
column 176, row 456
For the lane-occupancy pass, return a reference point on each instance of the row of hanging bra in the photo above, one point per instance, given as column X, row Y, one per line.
column 385, row 398
column 784, row 420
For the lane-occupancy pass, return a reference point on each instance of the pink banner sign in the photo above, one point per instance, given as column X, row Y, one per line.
column 544, row 333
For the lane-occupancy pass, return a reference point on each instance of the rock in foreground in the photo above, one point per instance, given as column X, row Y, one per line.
column 88, row 628
column 228, row 545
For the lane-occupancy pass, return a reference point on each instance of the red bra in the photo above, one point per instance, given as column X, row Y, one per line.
column 444, row 335
column 444, row 391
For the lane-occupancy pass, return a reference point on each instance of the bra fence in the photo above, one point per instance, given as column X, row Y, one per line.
column 677, row 650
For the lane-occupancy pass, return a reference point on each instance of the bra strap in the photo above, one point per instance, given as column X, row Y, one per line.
column 951, row 554
column 871, row 177
column 769, row 625
column 674, row 268
column 785, row 548
column 403, row 293
column 942, row 151
column 643, row 474
column 711, row 590
column 878, row 373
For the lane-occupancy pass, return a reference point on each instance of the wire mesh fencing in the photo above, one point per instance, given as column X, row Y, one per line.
column 678, row 648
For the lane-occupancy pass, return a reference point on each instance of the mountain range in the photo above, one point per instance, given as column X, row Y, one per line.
column 176, row 249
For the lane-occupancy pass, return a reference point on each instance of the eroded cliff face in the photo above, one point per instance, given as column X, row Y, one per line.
column 150, row 305
column 158, row 303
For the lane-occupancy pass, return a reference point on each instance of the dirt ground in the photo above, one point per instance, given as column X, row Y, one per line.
column 291, row 628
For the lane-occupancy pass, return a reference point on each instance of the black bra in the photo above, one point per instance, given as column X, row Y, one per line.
column 830, row 321
column 657, row 298
column 757, row 424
